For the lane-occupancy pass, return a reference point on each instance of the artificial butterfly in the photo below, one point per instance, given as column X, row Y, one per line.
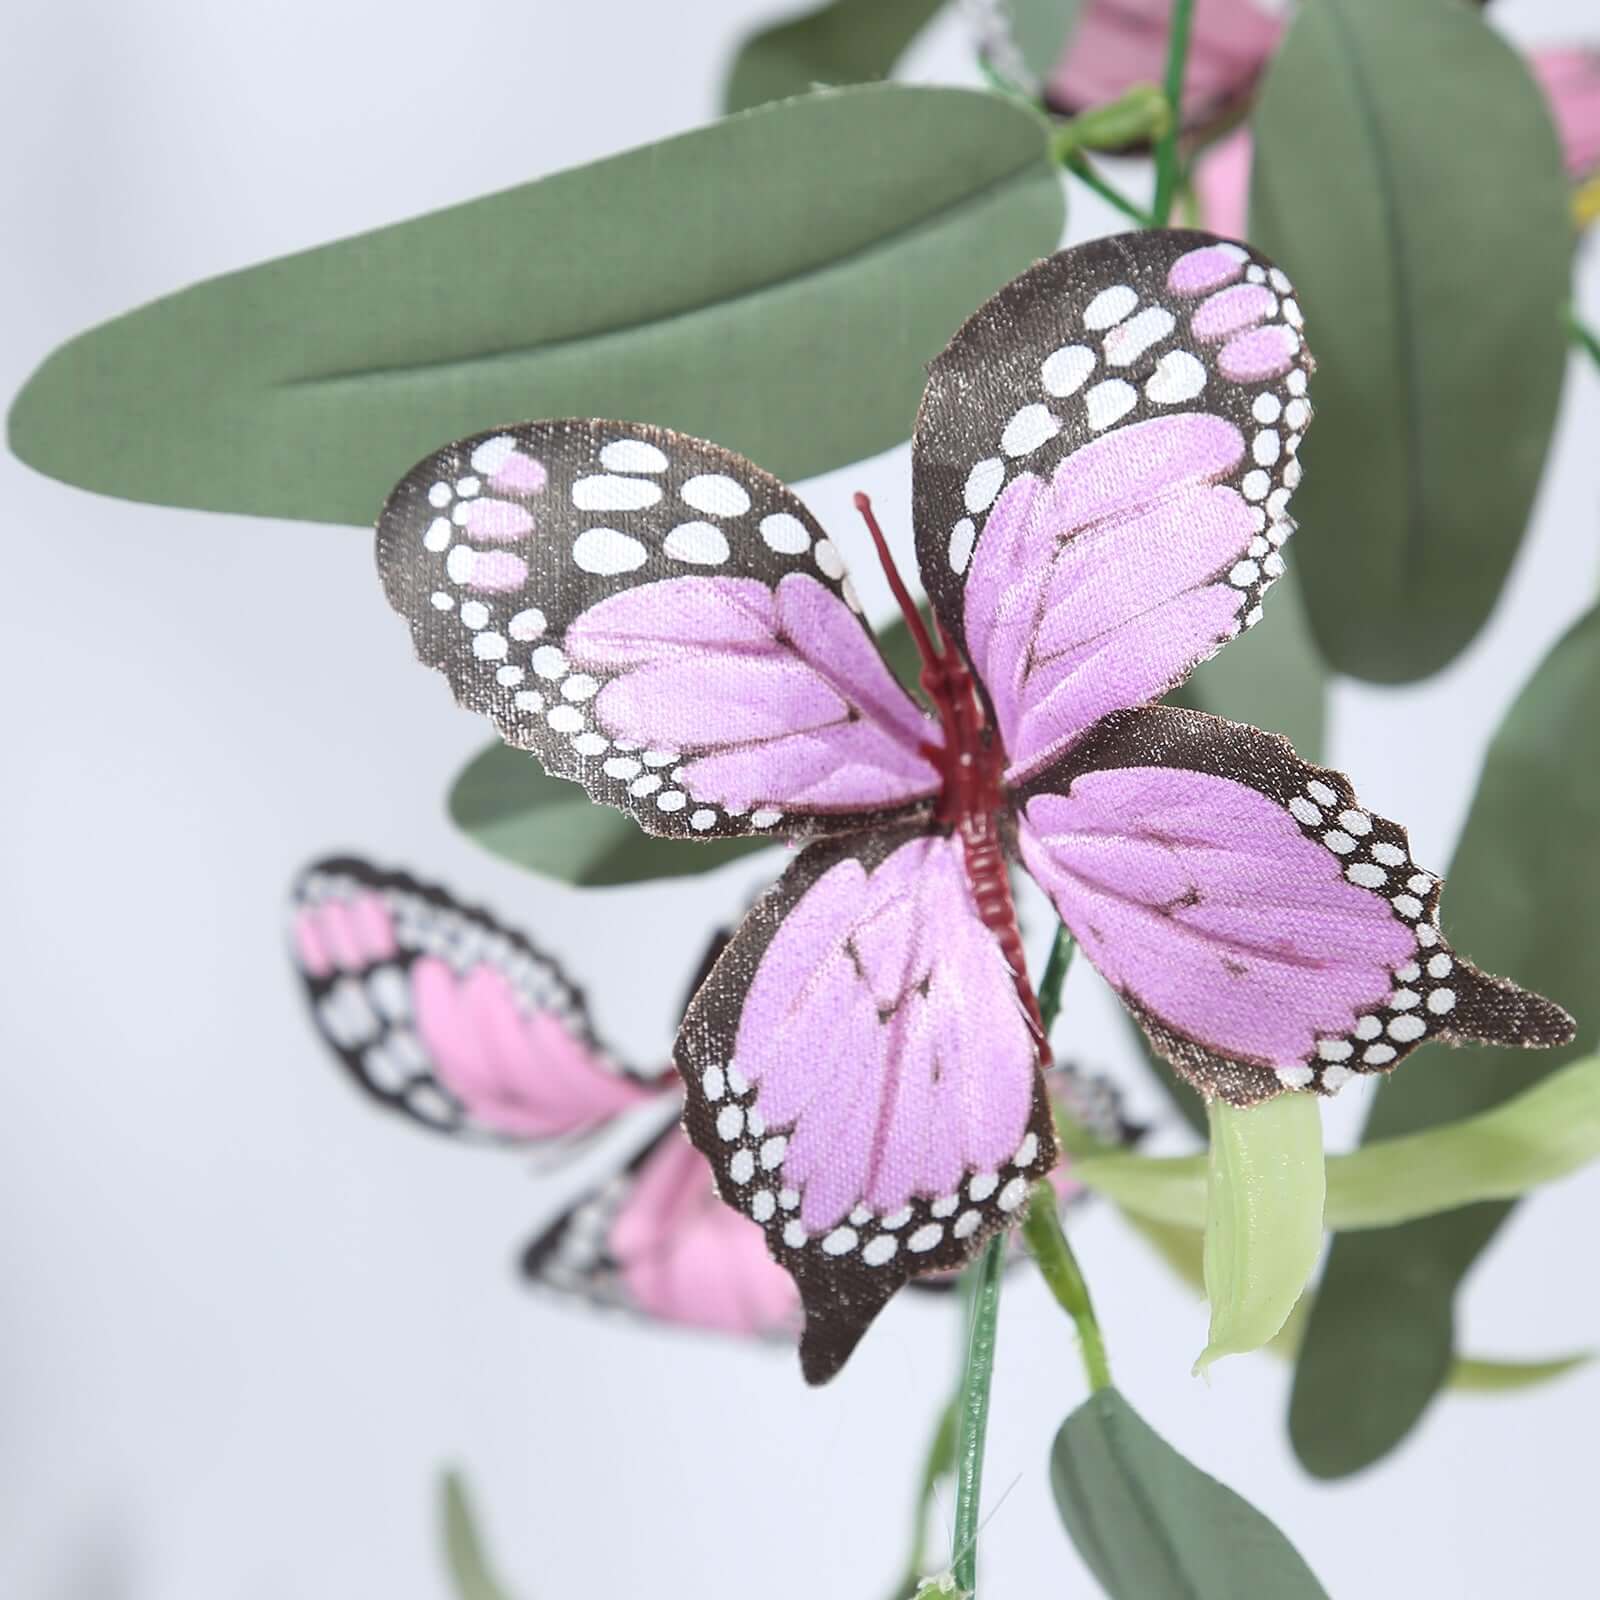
column 1101, row 471
column 442, row 1013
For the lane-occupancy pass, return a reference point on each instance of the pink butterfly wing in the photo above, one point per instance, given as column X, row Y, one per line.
column 1268, row 931
column 442, row 1013
column 656, row 1240
column 862, row 1077
column 657, row 619
column 1102, row 470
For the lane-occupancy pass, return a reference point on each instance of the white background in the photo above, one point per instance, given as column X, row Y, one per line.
column 246, row 1317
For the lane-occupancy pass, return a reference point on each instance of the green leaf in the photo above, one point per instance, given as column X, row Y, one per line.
column 1181, row 1247
column 757, row 282
column 1524, row 899
column 1423, row 217
column 1538, row 1136
column 463, row 1549
column 1152, row 1526
column 849, row 41
column 1264, row 1199
column 1041, row 29
column 506, row 803
column 1506, row 1377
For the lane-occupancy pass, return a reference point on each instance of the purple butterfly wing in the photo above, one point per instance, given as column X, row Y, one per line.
column 863, row 1079
column 655, row 1240
column 1102, row 468
column 440, row 1012
column 1268, row 931
column 657, row 619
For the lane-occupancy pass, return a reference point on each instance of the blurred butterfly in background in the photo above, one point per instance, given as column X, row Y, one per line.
column 1101, row 471
column 442, row 1013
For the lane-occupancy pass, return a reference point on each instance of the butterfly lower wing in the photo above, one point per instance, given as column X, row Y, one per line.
column 441, row 1012
column 1268, row 931
column 656, row 619
column 656, row 1240
column 863, row 1079
column 1101, row 470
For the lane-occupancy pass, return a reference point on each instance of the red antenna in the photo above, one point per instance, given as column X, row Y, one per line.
column 926, row 648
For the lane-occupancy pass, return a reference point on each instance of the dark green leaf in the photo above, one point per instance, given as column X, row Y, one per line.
column 849, row 41
column 504, row 801
column 1152, row 1526
column 1524, row 899
column 1408, row 178
column 774, row 282
column 1041, row 29
column 1271, row 677
column 463, row 1549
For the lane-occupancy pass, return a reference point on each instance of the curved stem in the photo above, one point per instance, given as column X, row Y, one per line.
column 974, row 1414
column 1062, row 1275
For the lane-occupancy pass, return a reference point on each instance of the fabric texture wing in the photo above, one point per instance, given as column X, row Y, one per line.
column 656, row 1240
column 1102, row 469
column 1267, row 930
column 440, row 1012
column 657, row 619
column 863, row 1079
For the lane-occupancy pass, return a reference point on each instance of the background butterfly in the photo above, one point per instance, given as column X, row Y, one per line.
column 1102, row 466
column 440, row 1012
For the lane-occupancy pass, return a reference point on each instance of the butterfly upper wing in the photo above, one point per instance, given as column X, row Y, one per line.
column 441, row 1012
column 1267, row 930
column 656, row 1240
column 862, row 1077
column 1101, row 473
column 657, row 619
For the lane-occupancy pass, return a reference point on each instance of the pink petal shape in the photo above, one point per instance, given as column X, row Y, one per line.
column 1100, row 589
column 520, row 474
column 687, row 1258
column 773, row 697
column 498, row 520
column 1209, row 267
column 1222, row 183
column 1571, row 82
column 1263, row 353
column 1230, row 310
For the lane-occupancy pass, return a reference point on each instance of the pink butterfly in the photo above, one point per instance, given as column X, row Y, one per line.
column 442, row 1013
column 1101, row 471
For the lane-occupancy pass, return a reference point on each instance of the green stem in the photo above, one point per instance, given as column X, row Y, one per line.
column 1167, row 146
column 1055, row 975
column 937, row 1464
column 974, row 1416
column 1078, row 165
column 1041, row 1227
column 1583, row 336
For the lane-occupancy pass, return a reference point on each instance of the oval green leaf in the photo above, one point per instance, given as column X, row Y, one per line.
column 505, row 802
column 849, row 41
column 1423, row 215
column 1181, row 1247
column 756, row 282
column 1265, row 1185
column 1524, row 900
column 1152, row 1526
column 1543, row 1134
column 464, row 1556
